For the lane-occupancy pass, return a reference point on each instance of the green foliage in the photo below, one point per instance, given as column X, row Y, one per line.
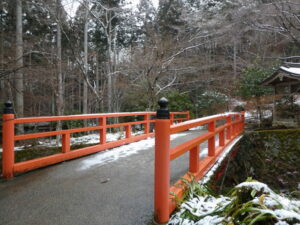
column 70, row 124
column 179, row 102
column 211, row 102
column 285, row 107
column 135, row 103
column 170, row 16
column 194, row 189
column 238, row 108
column 250, row 82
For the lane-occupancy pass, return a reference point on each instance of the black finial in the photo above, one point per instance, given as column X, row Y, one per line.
column 8, row 109
column 163, row 111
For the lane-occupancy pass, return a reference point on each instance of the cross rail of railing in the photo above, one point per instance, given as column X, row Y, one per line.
column 164, row 194
column 10, row 167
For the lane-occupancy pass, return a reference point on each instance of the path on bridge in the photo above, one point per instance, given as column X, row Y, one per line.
column 82, row 192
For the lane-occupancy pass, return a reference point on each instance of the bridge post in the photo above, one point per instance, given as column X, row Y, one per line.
column 8, row 157
column 162, row 163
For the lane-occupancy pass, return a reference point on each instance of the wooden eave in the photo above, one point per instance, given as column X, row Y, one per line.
column 281, row 76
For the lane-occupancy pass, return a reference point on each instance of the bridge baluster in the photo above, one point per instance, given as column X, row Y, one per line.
column 172, row 118
column 128, row 131
column 65, row 142
column 102, row 122
column 228, row 133
column 194, row 159
column 147, row 124
column 211, row 141
column 222, row 138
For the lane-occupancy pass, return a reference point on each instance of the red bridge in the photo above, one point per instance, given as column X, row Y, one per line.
column 18, row 195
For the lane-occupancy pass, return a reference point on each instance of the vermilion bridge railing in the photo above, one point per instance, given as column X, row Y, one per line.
column 10, row 167
column 227, row 126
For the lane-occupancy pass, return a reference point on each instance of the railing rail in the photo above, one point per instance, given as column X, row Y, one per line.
column 9, row 166
column 164, row 194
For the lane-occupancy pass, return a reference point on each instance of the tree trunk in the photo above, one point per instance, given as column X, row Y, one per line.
column 80, row 94
column 115, row 96
column 2, row 81
column 234, row 59
column 109, row 78
column 85, row 87
column 97, row 81
column 19, row 65
column 59, row 97
column 110, row 65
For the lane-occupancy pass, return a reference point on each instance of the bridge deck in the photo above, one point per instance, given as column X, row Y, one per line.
column 85, row 192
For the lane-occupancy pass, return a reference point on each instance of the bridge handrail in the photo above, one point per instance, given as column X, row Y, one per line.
column 165, row 195
column 79, row 117
column 89, row 116
column 10, row 167
column 197, row 122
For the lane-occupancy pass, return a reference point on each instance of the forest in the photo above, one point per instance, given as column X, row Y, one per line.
column 113, row 56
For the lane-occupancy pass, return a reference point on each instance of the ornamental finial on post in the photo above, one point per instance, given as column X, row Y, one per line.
column 163, row 111
column 8, row 109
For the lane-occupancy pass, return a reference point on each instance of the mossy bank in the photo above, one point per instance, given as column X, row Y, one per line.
column 271, row 156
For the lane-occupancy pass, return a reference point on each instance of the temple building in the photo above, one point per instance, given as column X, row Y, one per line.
column 286, row 84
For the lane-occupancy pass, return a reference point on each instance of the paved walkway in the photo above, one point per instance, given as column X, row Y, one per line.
column 119, row 192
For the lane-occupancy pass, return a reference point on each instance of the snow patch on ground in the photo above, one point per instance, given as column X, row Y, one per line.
column 237, row 102
column 197, row 128
column 253, row 114
column 121, row 152
column 90, row 139
column 86, row 139
column 18, row 148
